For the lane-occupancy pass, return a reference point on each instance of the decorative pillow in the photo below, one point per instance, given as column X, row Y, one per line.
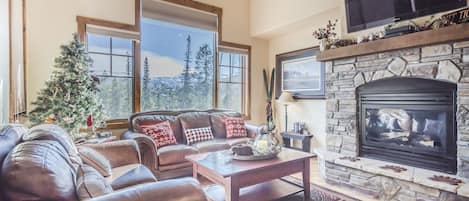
column 235, row 127
column 198, row 135
column 96, row 160
column 91, row 183
column 161, row 133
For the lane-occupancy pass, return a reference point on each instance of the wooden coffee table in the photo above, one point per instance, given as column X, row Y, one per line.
column 252, row 180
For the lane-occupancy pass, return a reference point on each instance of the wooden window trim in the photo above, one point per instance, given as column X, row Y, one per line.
column 14, row 115
column 246, row 102
column 83, row 21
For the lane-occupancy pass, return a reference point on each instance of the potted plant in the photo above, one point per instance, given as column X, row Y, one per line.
column 326, row 35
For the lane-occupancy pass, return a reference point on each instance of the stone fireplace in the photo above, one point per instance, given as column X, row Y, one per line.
column 396, row 119
column 410, row 121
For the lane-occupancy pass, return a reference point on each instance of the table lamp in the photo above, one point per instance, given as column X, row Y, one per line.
column 285, row 98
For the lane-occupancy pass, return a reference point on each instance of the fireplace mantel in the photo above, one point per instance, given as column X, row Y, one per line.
column 444, row 35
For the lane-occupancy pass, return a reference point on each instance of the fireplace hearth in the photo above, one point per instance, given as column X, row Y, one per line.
column 411, row 121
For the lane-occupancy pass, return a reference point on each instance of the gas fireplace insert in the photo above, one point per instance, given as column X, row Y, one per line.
column 411, row 121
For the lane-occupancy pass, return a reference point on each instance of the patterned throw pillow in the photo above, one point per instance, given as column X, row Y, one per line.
column 235, row 127
column 198, row 135
column 161, row 133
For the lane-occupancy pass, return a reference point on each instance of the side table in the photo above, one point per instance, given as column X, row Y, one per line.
column 305, row 140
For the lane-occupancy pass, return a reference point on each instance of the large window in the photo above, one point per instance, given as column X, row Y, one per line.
column 168, row 60
column 177, row 66
column 233, row 79
column 113, row 64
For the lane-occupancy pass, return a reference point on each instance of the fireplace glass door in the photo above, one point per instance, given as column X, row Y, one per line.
column 419, row 130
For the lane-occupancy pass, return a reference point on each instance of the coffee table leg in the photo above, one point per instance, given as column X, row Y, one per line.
column 231, row 189
column 194, row 170
column 306, row 183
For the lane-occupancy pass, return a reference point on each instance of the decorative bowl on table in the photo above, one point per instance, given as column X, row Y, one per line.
column 264, row 147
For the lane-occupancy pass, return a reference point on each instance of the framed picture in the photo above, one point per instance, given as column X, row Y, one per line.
column 299, row 73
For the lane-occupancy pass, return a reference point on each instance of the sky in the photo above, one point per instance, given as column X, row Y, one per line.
column 164, row 44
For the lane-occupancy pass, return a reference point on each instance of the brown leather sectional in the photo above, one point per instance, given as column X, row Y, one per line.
column 42, row 163
column 169, row 161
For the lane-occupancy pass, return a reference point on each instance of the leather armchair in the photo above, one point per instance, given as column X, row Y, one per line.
column 41, row 167
column 169, row 190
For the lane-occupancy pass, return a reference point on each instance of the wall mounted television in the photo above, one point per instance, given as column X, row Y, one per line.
column 364, row 14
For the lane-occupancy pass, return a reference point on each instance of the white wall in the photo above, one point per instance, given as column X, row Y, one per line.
column 51, row 23
column 4, row 61
column 288, row 26
column 236, row 28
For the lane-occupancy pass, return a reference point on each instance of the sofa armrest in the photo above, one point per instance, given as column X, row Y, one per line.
column 147, row 147
column 253, row 130
column 119, row 153
column 169, row 190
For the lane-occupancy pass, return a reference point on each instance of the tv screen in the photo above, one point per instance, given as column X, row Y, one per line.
column 364, row 14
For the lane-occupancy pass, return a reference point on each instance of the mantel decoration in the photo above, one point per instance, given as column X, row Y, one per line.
column 326, row 35
column 70, row 97
column 328, row 39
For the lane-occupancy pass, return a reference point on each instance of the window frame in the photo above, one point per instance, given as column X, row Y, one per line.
column 246, row 75
column 113, row 55
column 83, row 21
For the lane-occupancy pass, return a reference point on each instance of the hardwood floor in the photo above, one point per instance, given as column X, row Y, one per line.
column 316, row 179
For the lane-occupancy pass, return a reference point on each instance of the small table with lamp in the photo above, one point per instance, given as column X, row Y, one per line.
column 286, row 98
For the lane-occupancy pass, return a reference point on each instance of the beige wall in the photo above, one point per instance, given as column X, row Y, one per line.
column 288, row 26
column 4, row 61
column 51, row 23
column 313, row 112
column 236, row 29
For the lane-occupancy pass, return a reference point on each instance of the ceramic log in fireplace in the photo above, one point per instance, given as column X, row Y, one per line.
column 409, row 121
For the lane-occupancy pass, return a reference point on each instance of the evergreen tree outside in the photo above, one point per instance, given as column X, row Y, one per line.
column 70, row 95
column 186, row 88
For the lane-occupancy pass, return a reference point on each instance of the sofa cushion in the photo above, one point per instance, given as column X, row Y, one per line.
column 173, row 154
column 195, row 135
column 235, row 127
column 211, row 145
column 217, row 120
column 91, row 183
column 95, row 160
column 130, row 175
column 161, row 133
column 191, row 120
column 152, row 119
column 38, row 170
column 236, row 141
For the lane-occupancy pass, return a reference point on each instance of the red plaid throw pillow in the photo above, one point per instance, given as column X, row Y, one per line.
column 235, row 127
column 161, row 133
column 198, row 135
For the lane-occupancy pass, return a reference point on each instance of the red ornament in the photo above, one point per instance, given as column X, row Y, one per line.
column 89, row 121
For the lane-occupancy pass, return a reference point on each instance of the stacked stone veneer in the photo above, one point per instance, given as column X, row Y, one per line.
column 448, row 62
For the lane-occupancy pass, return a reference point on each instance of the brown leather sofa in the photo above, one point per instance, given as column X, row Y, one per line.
column 169, row 161
column 42, row 163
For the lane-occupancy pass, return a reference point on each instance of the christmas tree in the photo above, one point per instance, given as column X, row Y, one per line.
column 70, row 96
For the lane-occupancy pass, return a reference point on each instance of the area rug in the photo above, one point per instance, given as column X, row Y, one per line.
column 318, row 193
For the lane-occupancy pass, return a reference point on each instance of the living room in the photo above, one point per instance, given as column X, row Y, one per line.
column 234, row 100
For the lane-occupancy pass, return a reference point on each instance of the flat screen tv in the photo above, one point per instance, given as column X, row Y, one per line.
column 364, row 14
